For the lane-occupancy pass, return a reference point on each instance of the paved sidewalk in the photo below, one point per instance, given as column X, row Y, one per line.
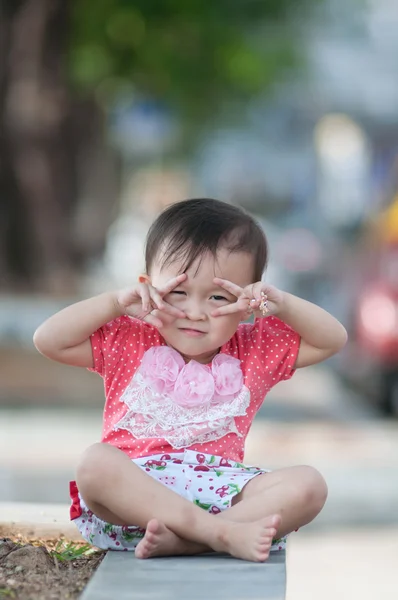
column 343, row 564
column 42, row 520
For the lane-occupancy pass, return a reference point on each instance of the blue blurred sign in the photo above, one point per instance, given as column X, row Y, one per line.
column 143, row 127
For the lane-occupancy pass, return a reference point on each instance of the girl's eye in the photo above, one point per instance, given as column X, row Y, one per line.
column 215, row 297
column 180, row 292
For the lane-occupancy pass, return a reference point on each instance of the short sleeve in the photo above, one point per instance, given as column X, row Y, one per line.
column 272, row 346
column 109, row 342
column 285, row 343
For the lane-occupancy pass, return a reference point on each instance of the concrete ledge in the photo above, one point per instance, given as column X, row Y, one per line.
column 41, row 520
column 209, row 576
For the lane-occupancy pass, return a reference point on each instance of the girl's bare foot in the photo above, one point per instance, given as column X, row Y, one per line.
column 161, row 541
column 249, row 541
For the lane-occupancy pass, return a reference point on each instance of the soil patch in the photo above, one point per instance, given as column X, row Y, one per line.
column 51, row 569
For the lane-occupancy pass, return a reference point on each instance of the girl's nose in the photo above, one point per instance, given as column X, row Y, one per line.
column 194, row 311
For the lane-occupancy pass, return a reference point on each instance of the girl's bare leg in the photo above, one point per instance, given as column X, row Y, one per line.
column 297, row 494
column 141, row 499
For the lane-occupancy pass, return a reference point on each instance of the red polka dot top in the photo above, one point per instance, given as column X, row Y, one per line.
column 142, row 422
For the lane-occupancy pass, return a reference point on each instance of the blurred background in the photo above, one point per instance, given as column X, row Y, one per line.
column 112, row 109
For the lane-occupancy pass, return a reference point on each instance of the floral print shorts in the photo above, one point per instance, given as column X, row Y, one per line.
column 208, row 481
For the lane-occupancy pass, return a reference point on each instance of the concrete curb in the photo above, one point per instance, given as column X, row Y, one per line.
column 37, row 520
column 122, row 576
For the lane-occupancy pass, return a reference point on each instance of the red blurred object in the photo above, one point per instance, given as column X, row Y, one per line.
column 374, row 347
column 377, row 322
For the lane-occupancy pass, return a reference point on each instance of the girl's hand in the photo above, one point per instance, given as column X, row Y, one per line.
column 261, row 298
column 146, row 302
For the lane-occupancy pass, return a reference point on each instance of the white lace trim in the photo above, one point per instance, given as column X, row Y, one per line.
column 154, row 415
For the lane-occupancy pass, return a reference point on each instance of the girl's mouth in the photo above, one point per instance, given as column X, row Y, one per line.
column 192, row 332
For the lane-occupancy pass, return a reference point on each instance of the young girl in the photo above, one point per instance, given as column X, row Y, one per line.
column 183, row 381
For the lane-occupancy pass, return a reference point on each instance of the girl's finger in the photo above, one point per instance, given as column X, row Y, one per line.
column 254, row 303
column 234, row 289
column 230, row 309
column 173, row 311
column 156, row 298
column 257, row 290
column 171, row 284
column 153, row 320
column 145, row 297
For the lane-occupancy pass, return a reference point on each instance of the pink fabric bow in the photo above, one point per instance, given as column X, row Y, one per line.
column 161, row 365
column 191, row 384
column 228, row 377
column 194, row 385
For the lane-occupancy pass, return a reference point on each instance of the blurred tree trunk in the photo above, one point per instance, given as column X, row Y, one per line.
column 43, row 134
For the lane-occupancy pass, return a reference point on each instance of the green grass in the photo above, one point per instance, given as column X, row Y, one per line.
column 65, row 551
column 6, row 593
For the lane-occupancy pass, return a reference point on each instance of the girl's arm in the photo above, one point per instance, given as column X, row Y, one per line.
column 321, row 334
column 65, row 337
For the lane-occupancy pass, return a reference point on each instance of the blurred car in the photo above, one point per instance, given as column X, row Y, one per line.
column 371, row 357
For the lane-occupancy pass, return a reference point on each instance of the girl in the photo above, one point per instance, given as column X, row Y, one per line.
column 183, row 381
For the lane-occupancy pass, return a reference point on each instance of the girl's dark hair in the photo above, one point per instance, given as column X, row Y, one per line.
column 191, row 228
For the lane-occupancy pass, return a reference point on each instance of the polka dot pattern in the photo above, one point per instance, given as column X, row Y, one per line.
column 266, row 349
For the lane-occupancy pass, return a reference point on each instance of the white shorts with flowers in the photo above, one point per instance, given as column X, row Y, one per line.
column 208, row 481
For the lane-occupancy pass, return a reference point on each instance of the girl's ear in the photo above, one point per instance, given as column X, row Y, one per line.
column 144, row 278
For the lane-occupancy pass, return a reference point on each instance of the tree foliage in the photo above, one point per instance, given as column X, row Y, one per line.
column 190, row 53
column 62, row 62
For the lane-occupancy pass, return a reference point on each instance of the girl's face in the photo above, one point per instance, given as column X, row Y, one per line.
column 199, row 336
